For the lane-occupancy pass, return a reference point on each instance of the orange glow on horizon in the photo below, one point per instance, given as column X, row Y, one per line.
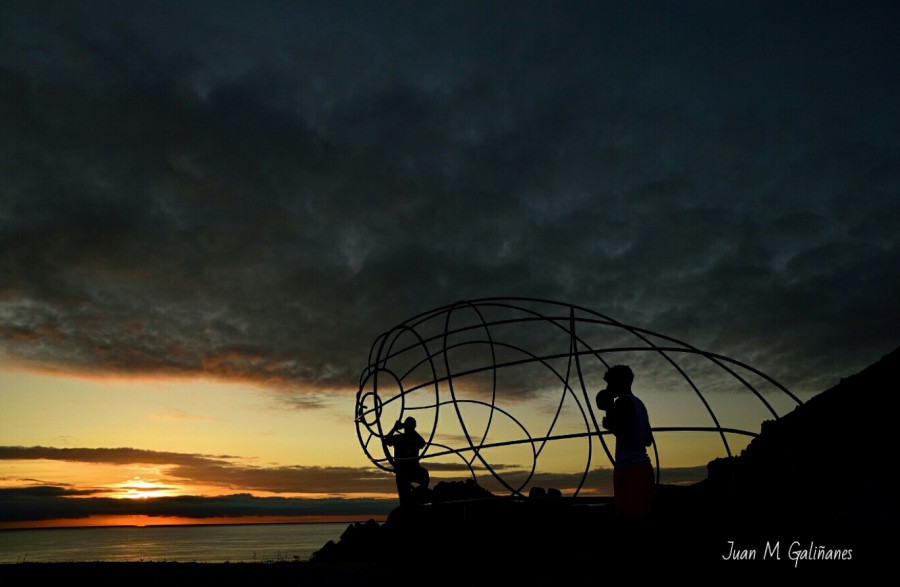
column 96, row 376
column 144, row 521
column 205, row 374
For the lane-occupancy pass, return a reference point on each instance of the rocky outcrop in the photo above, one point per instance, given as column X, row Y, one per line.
column 830, row 458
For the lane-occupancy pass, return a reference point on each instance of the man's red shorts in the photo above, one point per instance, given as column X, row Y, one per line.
column 634, row 488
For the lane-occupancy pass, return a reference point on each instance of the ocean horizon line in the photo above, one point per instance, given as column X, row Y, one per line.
column 156, row 522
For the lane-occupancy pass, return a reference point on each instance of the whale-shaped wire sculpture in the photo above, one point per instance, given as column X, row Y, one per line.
column 482, row 377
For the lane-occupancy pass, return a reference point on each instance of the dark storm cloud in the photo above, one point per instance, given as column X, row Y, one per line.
column 257, row 193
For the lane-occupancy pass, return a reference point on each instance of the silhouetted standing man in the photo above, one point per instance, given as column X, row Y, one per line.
column 626, row 417
column 407, row 469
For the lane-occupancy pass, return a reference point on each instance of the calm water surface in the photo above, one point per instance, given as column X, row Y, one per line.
column 212, row 544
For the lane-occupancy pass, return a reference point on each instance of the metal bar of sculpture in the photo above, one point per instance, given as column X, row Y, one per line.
column 438, row 356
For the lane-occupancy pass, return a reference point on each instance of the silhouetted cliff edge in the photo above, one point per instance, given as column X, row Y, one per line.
column 832, row 459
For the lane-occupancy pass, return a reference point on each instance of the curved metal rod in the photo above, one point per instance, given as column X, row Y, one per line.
column 430, row 358
column 487, row 332
column 677, row 367
column 502, row 302
column 533, row 358
column 477, row 451
column 388, row 348
column 663, row 336
column 397, row 331
column 573, row 350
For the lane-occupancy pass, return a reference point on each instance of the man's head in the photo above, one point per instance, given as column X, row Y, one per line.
column 409, row 423
column 619, row 378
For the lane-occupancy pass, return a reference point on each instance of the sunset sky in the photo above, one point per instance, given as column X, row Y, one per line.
column 210, row 210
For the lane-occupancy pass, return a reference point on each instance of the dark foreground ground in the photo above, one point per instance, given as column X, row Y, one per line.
column 533, row 543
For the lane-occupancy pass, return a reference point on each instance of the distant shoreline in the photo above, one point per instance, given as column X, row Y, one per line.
column 300, row 520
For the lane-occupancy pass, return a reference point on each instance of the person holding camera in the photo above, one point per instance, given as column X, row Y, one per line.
column 407, row 469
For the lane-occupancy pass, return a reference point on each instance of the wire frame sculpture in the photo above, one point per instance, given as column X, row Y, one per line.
column 495, row 383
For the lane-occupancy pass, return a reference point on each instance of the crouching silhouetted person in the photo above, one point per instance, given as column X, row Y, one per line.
column 626, row 417
column 407, row 469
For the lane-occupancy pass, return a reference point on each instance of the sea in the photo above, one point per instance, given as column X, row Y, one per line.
column 202, row 544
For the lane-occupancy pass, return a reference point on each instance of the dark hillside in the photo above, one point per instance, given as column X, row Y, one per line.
column 831, row 458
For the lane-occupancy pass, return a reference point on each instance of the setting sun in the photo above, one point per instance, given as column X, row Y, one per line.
column 138, row 488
